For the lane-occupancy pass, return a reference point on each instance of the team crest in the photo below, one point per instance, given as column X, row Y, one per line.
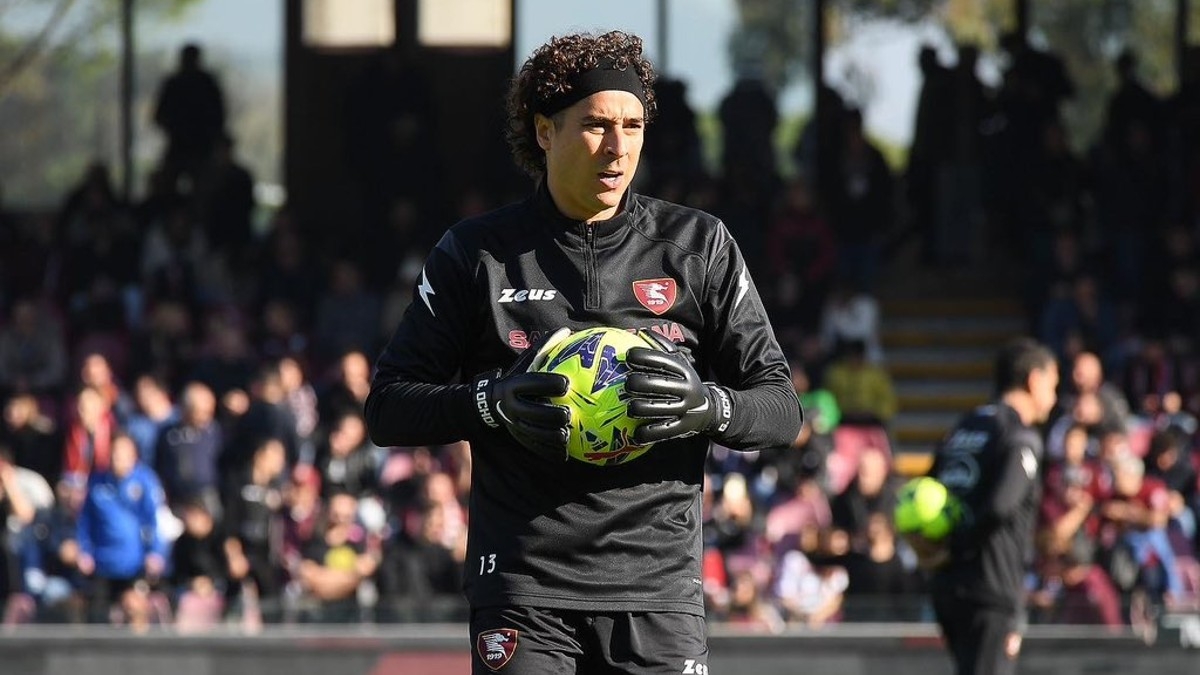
column 656, row 295
column 496, row 647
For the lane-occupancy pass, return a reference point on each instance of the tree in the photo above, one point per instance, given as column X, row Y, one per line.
column 59, row 88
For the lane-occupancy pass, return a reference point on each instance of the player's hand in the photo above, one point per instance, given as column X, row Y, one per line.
column 667, row 392
column 930, row 554
column 516, row 400
column 1012, row 645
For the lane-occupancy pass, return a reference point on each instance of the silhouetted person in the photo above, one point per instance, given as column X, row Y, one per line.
column 191, row 112
column 674, row 152
column 227, row 204
column 748, row 118
column 1132, row 102
column 929, row 149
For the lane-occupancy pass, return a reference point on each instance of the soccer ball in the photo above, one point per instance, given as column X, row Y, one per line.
column 593, row 361
column 924, row 506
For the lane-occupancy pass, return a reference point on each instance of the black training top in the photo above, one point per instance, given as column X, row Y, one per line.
column 566, row 534
column 990, row 461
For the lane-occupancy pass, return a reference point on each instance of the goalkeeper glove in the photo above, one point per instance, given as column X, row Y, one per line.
column 515, row 400
column 667, row 392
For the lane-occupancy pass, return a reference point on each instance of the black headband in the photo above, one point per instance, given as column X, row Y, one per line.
column 604, row 77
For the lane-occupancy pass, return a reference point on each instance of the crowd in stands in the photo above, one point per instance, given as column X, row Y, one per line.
column 183, row 442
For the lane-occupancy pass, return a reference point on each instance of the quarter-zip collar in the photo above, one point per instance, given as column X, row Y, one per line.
column 603, row 233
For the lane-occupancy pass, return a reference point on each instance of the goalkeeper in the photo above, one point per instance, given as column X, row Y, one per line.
column 990, row 461
column 575, row 568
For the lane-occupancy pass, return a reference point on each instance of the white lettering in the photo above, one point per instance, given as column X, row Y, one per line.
column 521, row 295
column 481, row 404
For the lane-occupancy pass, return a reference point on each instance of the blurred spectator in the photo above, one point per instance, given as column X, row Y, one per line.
column 851, row 315
column 336, row 563
column 302, row 510
column 198, row 569
column 1068, row 257
column 190, row 110
column 820, row 407
column 1151, row 373
column 929, row 150
column 673, row 152
column 251, row 531
column 188, row 450
column 288, row 273
column 348, row 461
column 15, row 507
column 1086, row 318
column 748, row 606
column 33, row 352
column 119, row 543
column 805, row 511
column 959, row 205
column 731, row 525
column 1087, row 379
column 97, row 371
column 1134, row 530
column 879, row 585
column 165, row 344
column 863, row 390
column 421, row 574
column 280, row 334
column 1132, row 104
column 870, row 493
column 301, row 400
column 349, row 388
column 155, row 412
column 347, row 315
column 225, row 199
column 748, row 116
column 784, row 469
column 861, row 205
column 1169, row 460
column 1057, row 203
column 32, row 436
column 173, row 258
column 50, row 556
column 225, row 363
column 89, row 434
column 808, row 596
column 1074, row 588
column 802, row 256
column 267, row 416
column 1131, row 198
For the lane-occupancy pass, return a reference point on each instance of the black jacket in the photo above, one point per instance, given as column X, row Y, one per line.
column 991, row 462
column 567, row 534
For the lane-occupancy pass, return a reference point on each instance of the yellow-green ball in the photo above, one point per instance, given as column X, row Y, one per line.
column 924, row 506
column 593, row 361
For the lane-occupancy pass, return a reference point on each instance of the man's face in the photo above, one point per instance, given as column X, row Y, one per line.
column 592, row 152
column 1043, row 385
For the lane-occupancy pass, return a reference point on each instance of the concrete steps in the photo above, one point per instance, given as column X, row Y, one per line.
column 940, row 336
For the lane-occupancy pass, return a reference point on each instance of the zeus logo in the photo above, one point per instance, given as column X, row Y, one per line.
column 514, row 295
column 585, row 349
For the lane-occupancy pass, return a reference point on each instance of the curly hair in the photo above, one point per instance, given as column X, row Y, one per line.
column 547, row 73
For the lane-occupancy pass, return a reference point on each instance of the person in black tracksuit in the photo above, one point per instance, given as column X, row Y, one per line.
column 990, row 461
column 571, row 567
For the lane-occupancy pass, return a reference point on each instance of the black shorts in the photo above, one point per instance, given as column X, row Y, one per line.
column 975, row 635
column 535, row 641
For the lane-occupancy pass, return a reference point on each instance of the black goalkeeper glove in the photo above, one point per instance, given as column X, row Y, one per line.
column 667, row 392
column 516, row 400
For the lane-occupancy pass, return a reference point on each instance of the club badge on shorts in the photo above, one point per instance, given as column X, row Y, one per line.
column 656, row 295
column 496, row 647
